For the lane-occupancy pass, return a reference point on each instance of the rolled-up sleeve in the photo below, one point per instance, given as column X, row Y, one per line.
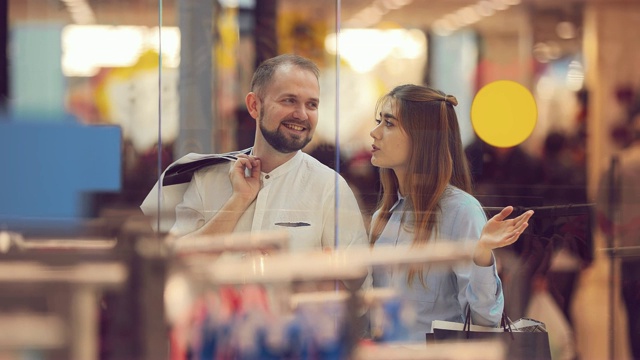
column 190, row 212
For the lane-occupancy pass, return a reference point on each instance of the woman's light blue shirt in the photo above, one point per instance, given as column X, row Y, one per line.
column 448, row 290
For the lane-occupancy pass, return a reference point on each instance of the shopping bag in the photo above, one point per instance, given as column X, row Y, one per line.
column 523, row 339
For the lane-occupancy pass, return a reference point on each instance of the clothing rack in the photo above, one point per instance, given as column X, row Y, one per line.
column 547, row 211
column 545, row 216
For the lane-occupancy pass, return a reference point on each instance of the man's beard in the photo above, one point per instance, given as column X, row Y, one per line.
column 280, row 142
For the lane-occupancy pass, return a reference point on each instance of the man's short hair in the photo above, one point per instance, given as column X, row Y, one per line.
column 264, row 73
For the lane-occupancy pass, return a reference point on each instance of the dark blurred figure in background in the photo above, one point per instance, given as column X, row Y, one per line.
column 564, row 180
column 618, row 215
column 569, row 236
column 503, row 176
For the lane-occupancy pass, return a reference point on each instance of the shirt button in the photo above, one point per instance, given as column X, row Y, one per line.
column 266, row 176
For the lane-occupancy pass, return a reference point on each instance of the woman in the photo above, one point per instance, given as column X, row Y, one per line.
column 426, row 183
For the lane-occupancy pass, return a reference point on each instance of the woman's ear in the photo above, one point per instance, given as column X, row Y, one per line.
column 252, row 102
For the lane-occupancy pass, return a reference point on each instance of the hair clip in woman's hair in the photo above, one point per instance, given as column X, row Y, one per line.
column 451, row 100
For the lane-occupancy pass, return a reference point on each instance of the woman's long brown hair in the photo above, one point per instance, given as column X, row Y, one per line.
column 437, row 159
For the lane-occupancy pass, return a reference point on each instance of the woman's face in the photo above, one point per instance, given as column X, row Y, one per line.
column 391, row 146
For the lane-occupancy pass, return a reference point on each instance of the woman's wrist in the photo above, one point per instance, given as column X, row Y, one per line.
column 482, row 256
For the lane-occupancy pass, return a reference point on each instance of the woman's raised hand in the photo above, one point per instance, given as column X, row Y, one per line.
column 499, row 231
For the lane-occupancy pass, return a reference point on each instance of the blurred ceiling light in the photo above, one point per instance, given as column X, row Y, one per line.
column 389, row 4
column 575, row 76
column 330, row 43
column 402, row 2
column 373, row 13
column 170, row 44
column 566, row 30
column 468, row 15
column 498, row 4
column 87, row 48
column 454, row 19
column 443, row 27
column 380, row 5
column 411, row 44
column 363, row 49
column 484, row 8
column 366, row 17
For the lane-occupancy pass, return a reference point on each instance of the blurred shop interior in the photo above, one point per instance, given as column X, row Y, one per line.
column 98, row 97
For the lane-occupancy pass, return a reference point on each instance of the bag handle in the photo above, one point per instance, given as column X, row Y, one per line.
column 505, row 323
column 467, row 321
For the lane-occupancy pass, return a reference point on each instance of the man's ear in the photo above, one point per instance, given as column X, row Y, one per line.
column 251, row 100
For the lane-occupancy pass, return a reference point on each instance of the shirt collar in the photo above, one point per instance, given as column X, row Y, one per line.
column 291, row 164
column 399, row 203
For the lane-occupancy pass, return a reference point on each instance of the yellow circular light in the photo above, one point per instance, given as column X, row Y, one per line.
column 504, row 113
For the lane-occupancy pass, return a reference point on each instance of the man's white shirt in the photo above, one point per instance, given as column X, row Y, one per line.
column 299, row 196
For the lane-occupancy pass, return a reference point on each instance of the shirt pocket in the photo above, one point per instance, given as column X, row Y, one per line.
column 304, row 233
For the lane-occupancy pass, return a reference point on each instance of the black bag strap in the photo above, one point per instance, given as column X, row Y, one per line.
column 505, row 323
column 467, row 321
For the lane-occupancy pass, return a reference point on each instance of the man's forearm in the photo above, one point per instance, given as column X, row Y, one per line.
column 225, row 220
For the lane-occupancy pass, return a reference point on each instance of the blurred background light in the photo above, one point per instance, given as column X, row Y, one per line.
column 575, row 76
column 566, row 30
column 363, row 49
column 87, row 48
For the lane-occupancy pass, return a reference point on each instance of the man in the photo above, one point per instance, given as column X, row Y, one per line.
column 273, row 185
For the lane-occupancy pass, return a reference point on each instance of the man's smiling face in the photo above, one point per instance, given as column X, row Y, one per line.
column 288, row 109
